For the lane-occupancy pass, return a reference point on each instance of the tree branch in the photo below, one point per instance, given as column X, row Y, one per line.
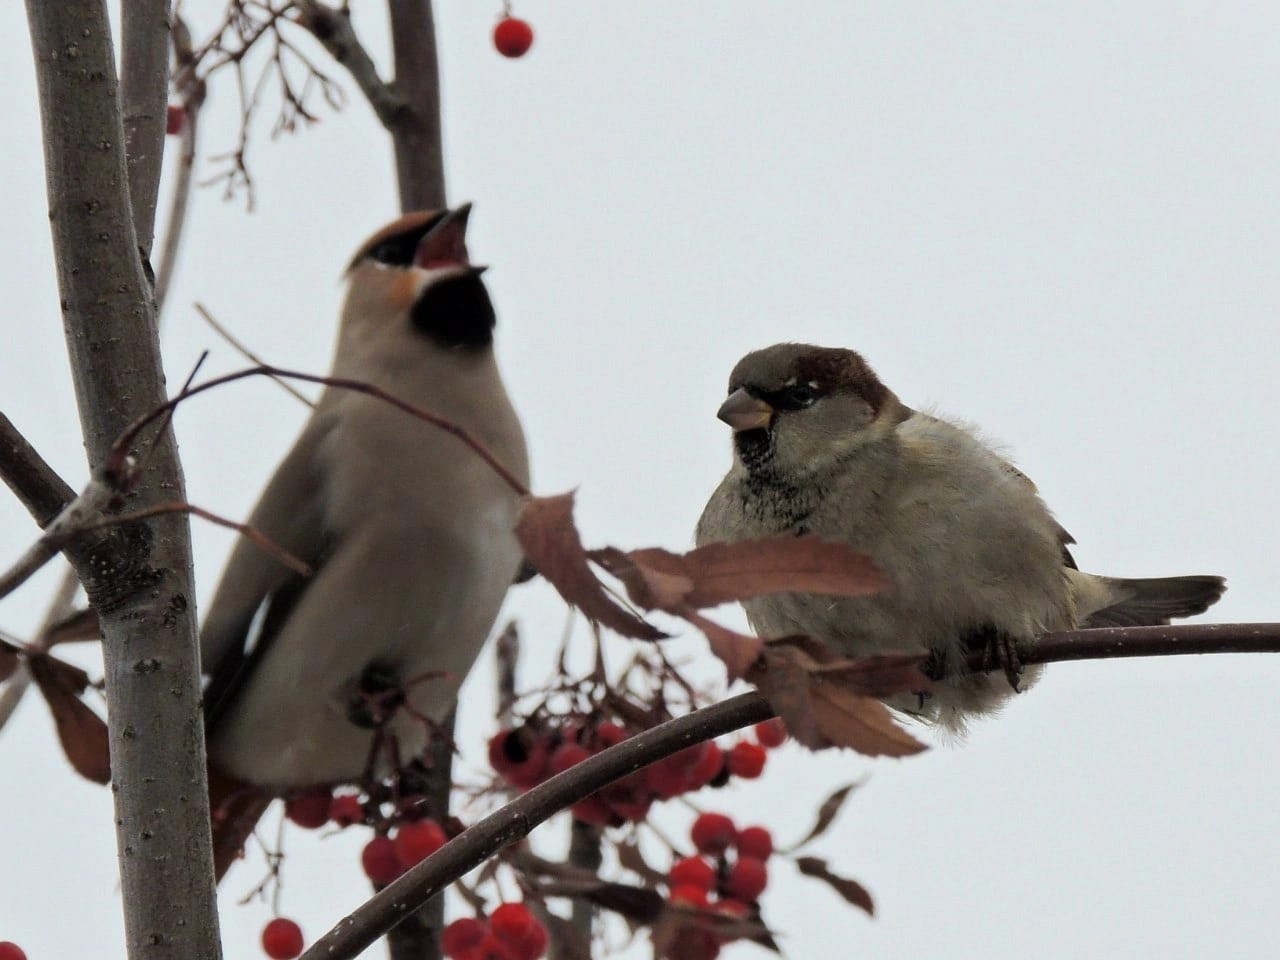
column 416, row 130
column 31, row 479
column 145, row 603
column 144, row 91
column 332, row 28
column 517, row 819
column 1109, row 643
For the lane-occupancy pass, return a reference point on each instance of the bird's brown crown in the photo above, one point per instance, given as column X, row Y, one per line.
column 830, row 370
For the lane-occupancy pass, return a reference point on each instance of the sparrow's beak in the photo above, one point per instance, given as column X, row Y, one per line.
column 742, row 411
column 445, row 244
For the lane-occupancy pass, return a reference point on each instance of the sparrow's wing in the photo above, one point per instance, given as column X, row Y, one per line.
column 257, row 591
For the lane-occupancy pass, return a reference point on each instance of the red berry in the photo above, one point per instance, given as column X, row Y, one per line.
column 747, row 879
column 746, row 760
column 693, row 943
column 309, row 809
column 417, row 840
column 694, row 871
column 513, row 37
column 11, row 951
column 666, row 779
column 626, row 801
column 609, row 734
column 712, row 833
column 461, row 937
column 710, row 760
column 755, row 842
column 534, row 943
column 568, row 755
column 771, row 733
column 345, row 810
column 379, row 860
column 511, row 921
column 520, row 755
column 595, row 811
column 175, row 118
column 690, row 895
column 282, row 939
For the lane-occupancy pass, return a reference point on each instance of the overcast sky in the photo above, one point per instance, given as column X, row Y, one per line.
column 1058, row 221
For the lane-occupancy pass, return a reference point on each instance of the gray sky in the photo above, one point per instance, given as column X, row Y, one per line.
column 1060, row 222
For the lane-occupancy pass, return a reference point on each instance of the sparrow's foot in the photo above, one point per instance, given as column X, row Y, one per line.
column 999, row 651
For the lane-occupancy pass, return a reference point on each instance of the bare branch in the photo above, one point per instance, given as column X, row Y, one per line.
column 32, row 480
column 247, row 353
column 145, row 599
column 130, row 434
column 332, row 27
column 191, row 88
column 416, row 130
column 1108, row 643
column 143, row 94
column 517, row 819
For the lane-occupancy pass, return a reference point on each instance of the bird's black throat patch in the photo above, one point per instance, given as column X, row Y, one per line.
column 755, row 449
column 456, row 313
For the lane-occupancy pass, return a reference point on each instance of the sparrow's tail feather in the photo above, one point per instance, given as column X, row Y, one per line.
column 234, row 810
column 1153, row 602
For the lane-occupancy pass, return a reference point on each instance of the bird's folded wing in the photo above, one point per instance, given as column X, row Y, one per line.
column 257, row 590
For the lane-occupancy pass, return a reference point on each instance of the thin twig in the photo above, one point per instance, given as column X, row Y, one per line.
column 1109, row 643
column 332, row 28
column 248, row 354
column 126, row 439
column 32, row 480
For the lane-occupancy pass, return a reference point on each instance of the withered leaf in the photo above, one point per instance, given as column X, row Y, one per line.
column 827, row 813
column 551, row 543
column 824, row 704
column 639, row 905
column 680, row 932
column 852, row 891
column 723, row 572
column 737, row 650
column 81, row 625
column 630, row 858
column 649, row 586
column 82, row 733
column 878, row 676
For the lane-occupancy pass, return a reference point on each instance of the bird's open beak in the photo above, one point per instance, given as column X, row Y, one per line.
column 445, row 244
column 742, row 411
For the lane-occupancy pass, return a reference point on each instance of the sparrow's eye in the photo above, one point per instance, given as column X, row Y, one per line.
column 795, row 396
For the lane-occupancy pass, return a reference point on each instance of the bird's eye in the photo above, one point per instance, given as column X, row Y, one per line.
column 796, row 396
column 388, row 253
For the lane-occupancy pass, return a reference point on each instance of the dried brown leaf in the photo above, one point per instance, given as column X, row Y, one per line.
column 738, row 650
column 630, row 858
column 551, row 543
column 827, row 813
column 82, row 733
column 852, row 891
column 723, row 572
column 648, row 586
column 824, row 704
column 680, row 933
column 878, row 676
column 81, row 625
column 639, row 905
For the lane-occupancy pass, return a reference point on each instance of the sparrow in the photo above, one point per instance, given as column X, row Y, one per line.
column 976, row 560
column 320, row 680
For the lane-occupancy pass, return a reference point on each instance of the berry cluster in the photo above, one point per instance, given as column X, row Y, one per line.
column 511, row 932
column 712, row 882
column 393, row 851
column 527, row 755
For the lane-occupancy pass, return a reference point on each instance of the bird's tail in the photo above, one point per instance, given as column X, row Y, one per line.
column 234, row 810
column 1156, row 601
